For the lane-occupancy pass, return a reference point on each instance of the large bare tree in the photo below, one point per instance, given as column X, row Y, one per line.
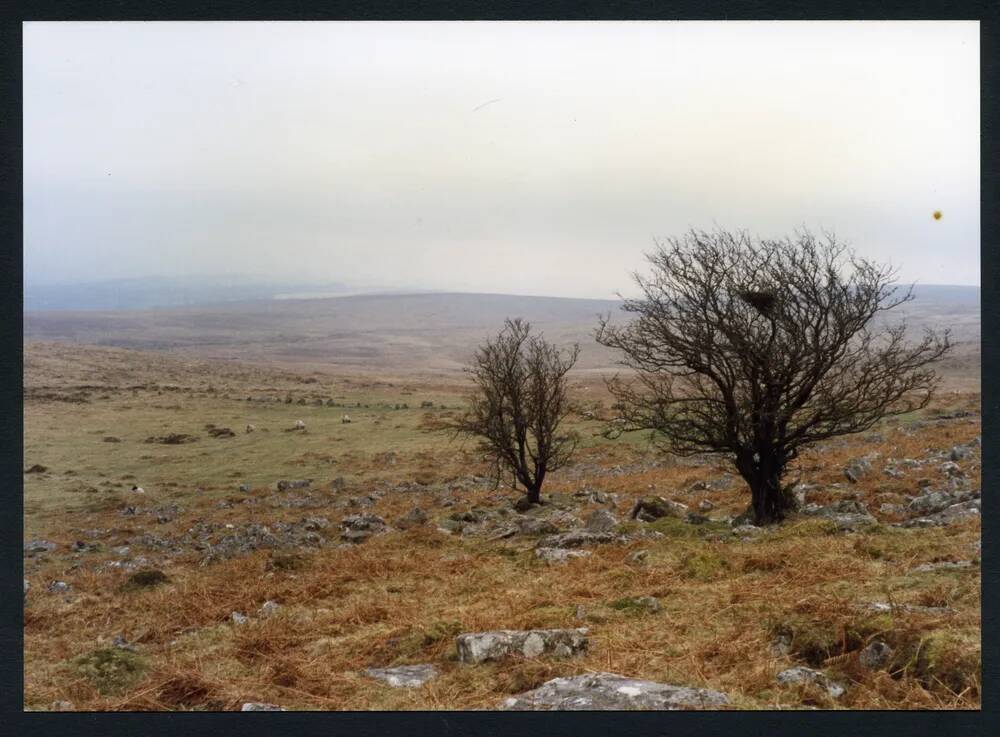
column 756, row 348
column 518, row 404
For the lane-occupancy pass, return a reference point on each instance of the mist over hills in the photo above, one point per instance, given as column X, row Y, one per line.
column 408, row 332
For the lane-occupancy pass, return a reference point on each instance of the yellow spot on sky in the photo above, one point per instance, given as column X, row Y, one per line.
column 937, row 214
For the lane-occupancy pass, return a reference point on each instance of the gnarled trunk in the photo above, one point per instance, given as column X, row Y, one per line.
column 770, row 502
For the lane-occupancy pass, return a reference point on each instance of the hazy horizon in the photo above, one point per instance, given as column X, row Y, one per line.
column 506, row 158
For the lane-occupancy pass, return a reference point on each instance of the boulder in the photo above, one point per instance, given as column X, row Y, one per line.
column 404, row 676
column 260, row 706
column 944, row 565
column 801, row 674
column 649, row 508
column 269, row 608
column 478, row 647
column 601, row 520
column 612, row 692
column 58, row 587
column 951, row 469
column 705, row 506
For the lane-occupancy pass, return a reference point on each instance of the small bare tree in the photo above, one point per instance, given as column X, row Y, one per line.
column 756, row 348
column 518, row 404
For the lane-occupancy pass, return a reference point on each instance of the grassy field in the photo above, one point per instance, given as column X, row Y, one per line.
column 401, row 597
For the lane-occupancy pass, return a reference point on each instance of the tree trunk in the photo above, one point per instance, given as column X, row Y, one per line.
column 770, row 502
column 533, row 494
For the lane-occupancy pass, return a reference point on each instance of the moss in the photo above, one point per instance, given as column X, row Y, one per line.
column 949, row 660
column 145, row 580
column 703, row 566
column 677, row 528
column 815, row 640
column 111, row 670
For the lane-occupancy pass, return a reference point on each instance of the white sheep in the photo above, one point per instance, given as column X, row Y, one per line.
column 138, row 489
column 250, row 428
column 300, row 425
column 345, row 419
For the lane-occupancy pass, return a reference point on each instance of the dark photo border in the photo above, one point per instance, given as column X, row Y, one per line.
column 484, row 724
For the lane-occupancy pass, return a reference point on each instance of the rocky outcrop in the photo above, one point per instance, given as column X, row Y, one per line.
column 478, row 647
column 612, row 692
column 803, row 675
column 404, row 676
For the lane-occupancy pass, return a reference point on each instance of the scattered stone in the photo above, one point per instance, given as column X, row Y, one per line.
column 238, row 618
column 260, row 706
column 892, row 509
column 559, row 555
column 62, row 706
column 578, row 539
column 945, row 565
column 612, row 692
column 801, row 674
column 58, row 587
column 875, row 655
column 35, row 547
column 245, row 488
column 960, row 453
column 601, row 520
column 637, row 603
column 951, row 469
column 285, row 484
column 173, row 438
column 26, row 587
column 649, row 508
column 478, row 647
column 639, row 556
column 37, row 468
column 705, row 506
column 858, row 468
column 269, row 608
column 781, row 645
column 530, row 526
column 221, row 432
column 404, row 676
column 111, row 439
column 414, row 518
column 356, row 528
column 884, row 607
column 121, row 643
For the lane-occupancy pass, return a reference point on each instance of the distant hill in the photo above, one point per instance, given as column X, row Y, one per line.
column 406, row 332
column 153, row 292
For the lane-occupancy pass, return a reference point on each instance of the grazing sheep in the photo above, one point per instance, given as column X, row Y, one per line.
column 345, row 419
column 300, row 425
column 138, row 489
column 250, row 429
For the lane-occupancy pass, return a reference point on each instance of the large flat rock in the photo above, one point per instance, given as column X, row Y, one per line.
column 478, row 647
column 612, row 692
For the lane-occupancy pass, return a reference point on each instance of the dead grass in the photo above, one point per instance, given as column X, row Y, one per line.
column 401, row 598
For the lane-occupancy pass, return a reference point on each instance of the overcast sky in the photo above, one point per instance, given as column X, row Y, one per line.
column 531, row 158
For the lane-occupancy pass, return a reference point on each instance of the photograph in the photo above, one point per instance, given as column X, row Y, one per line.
column 464, row 366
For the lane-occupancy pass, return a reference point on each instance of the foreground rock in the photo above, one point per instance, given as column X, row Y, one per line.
column 579, row 539
column 794, row 676
column 404, row 676
column 259, row 706
column 478, row 647
column 612, row 692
